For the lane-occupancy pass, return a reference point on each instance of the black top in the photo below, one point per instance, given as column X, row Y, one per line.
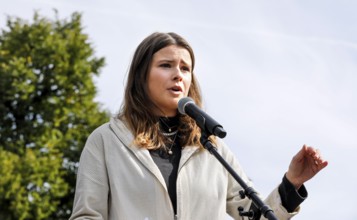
column 168, row 165
column 166, row 162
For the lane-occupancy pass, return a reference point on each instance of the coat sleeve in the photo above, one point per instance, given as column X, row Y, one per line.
column 92, row 187
column 233, row 197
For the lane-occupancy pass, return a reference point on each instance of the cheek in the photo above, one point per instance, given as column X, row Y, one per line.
column 149, row 86
column 188, row 82
column 153, row 82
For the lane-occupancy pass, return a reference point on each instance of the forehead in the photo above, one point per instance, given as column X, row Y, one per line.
column 173, row 53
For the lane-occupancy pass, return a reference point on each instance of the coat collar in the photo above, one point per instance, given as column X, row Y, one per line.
column 143, row 155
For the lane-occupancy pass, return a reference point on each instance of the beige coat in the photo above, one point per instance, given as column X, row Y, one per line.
column 119, row 181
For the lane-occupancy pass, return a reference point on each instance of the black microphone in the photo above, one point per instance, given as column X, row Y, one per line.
column 187, row 106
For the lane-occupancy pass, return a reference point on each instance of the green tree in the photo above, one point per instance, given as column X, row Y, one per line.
column 47, row 110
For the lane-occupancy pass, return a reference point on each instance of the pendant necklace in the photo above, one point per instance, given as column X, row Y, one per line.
column 169, row 150
column 167, row 126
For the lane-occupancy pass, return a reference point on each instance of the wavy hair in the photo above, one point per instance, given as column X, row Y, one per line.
column 137, row 107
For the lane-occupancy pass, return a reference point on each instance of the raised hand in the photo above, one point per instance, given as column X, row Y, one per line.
column 305, row 165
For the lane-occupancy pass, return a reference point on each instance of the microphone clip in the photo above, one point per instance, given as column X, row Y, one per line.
column 249, row 214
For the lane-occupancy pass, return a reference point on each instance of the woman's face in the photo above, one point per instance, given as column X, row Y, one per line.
column 169, row 78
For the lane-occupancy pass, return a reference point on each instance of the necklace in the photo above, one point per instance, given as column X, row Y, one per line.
column 170, row 133
column 169, row 150
column 166, row 125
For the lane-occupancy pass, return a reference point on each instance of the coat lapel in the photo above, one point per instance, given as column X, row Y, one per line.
column 126, row 137
column 186, row 154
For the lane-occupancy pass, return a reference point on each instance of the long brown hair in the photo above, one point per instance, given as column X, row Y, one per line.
column 137, row 108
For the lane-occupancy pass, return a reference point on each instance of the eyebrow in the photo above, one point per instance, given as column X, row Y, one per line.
column 166, row 60
column 172, row 61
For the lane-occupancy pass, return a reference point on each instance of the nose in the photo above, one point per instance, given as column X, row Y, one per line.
column 178, row 75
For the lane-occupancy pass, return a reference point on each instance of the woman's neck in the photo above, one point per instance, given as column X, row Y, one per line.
column 169, row 124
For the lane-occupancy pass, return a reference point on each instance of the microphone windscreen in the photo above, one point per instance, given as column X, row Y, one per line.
column 182, row 104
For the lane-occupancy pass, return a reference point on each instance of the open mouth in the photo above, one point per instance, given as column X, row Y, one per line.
column 176, row 89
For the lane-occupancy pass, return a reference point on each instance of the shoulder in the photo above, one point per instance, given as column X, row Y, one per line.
column 113, row 127
column 227, row 153
column 108, row 136
column 96, row 138
column 222, row 147
column 100, row 131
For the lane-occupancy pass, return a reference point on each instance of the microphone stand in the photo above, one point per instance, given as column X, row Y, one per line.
column 261, row 207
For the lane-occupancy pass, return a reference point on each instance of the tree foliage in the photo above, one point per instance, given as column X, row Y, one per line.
column 47, row 110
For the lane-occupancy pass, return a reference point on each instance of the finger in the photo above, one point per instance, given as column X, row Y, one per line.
column 301, row 154
column 314, row 158
column 322, row 165
column 318, row 158
column 310, row 150
column 317, row 155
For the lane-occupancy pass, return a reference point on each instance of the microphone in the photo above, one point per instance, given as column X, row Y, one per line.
column 187, row 106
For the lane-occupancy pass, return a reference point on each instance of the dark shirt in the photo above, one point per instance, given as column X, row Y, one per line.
column 168, row 163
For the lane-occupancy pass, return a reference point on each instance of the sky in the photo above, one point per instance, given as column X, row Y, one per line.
column 275, row 74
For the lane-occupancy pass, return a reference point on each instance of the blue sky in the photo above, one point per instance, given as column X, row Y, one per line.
column 275, row 74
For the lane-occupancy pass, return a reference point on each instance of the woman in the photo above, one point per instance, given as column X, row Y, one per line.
column 148, row 163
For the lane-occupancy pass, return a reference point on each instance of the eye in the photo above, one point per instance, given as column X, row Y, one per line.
column 186, row 68
column 165, row 65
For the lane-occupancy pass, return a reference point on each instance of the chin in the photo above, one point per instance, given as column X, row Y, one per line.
column 180, row 97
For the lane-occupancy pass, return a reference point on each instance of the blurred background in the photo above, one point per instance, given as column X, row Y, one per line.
column 275, row 74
